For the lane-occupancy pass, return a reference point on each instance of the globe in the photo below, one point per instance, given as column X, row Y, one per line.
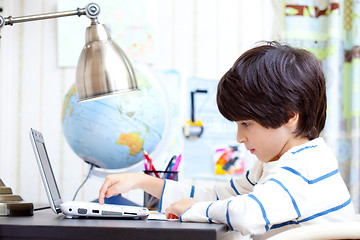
column 112, row 132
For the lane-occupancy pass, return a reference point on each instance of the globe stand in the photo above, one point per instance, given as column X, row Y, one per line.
column 103, row 172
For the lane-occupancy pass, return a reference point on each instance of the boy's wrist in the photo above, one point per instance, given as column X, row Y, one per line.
column 139, row 180
column 149, row 184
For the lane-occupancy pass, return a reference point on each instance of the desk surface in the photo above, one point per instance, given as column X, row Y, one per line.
column 46, row 224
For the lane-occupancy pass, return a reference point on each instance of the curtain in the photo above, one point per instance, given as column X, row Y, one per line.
column 331, row 30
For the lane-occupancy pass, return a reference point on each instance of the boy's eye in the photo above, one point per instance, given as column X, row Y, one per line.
column 245, row 124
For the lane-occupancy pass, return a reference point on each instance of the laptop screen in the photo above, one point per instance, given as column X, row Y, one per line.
column 46, row 171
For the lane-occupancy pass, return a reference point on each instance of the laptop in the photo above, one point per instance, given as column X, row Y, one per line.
column 76, row 208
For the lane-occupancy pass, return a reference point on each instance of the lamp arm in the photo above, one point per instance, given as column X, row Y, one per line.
column 92, row 10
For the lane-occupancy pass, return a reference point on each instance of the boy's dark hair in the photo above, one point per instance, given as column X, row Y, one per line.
column 270, row 84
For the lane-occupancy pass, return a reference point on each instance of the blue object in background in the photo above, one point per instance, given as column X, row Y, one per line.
column 118, row 200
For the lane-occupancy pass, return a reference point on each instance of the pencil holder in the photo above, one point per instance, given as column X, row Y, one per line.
column 150, row 201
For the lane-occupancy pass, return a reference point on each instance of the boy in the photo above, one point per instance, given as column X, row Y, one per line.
column 277, row 96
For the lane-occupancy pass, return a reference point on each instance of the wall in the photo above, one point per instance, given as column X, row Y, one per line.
column 199, row 38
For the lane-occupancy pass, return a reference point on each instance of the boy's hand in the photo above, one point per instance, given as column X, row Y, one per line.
column 179, row 207
column 115, row 184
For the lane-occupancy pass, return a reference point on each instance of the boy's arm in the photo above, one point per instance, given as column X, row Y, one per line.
column 115, row 184
column 249, row 213
column 175, row 191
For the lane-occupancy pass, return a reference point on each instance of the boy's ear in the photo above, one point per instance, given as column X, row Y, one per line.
column 292, row 122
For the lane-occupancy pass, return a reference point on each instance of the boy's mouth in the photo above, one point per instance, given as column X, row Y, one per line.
column 252, row 150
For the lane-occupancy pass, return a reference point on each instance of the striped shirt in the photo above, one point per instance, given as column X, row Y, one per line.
column 303, row 187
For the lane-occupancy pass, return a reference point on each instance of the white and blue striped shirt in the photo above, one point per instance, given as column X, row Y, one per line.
column 303, row 187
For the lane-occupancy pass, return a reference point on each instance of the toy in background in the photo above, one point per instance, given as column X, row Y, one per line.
column 193, row 128
column 218, row 132
column 229, row 160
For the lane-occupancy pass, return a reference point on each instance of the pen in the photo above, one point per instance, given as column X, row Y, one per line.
column 145, row 164
column 152, row 168
column 177, row 162
column 168, row 167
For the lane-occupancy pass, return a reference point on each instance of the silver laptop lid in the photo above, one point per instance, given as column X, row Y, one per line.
column 46, row 171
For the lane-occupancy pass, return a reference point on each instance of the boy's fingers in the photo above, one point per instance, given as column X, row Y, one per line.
column 169, row 214
column 101, row 197
column 103, row 191
column 173, row 216
column 111, row 191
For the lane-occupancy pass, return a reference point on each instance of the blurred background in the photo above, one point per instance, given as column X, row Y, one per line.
column 177, row 48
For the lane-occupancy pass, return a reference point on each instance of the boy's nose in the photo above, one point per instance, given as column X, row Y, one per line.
column 240, row 138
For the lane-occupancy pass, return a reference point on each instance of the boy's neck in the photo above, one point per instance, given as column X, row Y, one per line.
column 295, row 142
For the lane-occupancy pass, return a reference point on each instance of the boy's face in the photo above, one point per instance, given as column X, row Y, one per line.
column 267, row 144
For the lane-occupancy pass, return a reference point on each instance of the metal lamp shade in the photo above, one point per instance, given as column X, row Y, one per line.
column 103, row 68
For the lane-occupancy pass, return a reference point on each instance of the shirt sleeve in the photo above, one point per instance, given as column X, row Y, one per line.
column 174, row 191
column 255, row 212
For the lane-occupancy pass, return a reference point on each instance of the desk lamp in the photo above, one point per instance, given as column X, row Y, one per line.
column 103, row 68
